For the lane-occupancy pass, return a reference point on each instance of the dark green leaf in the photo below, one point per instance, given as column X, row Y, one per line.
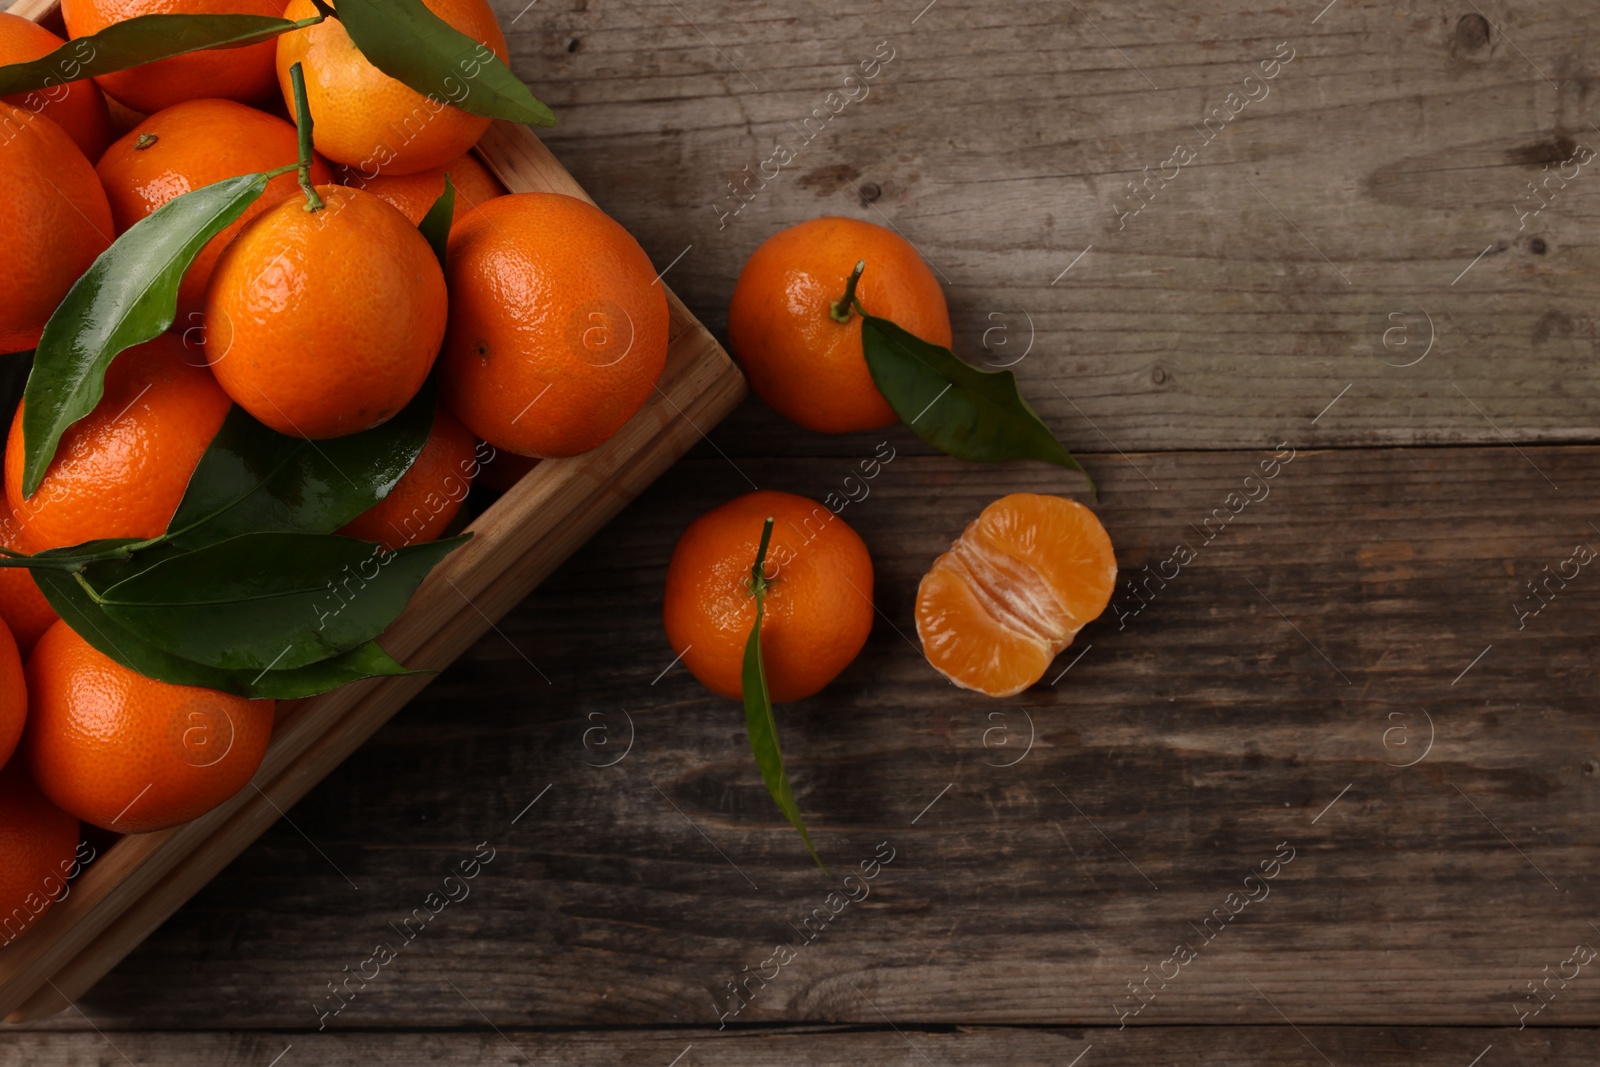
column 132, row 42
column 960, row 410
column 414, row 46
column 271, row 601
column 435, row 225
column 758, row 717
column 252, row 479
column 127, row 296
column 74, row 604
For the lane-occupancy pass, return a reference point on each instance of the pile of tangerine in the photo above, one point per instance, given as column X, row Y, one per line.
column 320, row 314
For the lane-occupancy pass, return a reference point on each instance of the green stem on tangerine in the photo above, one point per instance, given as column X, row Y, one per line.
column 302, row 121
column 840, row 309
column 87, row 588
column 758, row 579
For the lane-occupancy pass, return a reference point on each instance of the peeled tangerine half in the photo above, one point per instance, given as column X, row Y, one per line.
column 1013, row 591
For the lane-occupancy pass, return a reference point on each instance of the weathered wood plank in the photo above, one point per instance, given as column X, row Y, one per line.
column 1239, row 1046
column 1197, row 738
column 1254, row 285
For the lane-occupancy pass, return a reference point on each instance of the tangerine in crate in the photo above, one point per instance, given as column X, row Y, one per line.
column 121, row 470
column 325, row 322
column 128, row 753
column 243, row 73
column 558, row 325
column 190, row 145
column 54, row 221
column 77, row 107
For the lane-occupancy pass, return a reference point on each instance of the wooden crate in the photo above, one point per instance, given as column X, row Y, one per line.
column 519, row 539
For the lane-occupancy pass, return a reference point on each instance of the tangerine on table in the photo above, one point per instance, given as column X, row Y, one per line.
column 77, row 107
column 128, row 753
column 39, row 843
column 1013, row 590
column 414, row 194
column 243, row 74
column 818, row 603
column 558, row 325
column 322, row 323
column 369, row 120
column 23, row 608
column 190, row 145
column 427, row 497
column 807, row 366
column 121, row 470
column 54, row 221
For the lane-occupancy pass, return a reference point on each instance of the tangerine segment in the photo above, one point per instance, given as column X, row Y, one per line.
column 818, row 603
column 1013, row 590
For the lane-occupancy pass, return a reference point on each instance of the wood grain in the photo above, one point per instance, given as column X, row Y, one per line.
column 1001, row 141
column 1196, row 739
column 1296, row 663
column 1238, row 1046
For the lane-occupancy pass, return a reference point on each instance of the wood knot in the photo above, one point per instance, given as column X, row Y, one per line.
column 1472, row 32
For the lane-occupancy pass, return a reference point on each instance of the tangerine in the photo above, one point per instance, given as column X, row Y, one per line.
column 415, row 193
column 13, row 695
column 194, row 144
column 369, row 120
column 427, row 497
column 128, row 753
column 549, row 295
column 806, row 365
column 243, row 73
column 817, row 607
column 121, row 470
column 76, row 106
column 23, row 608
column 54, row 221
column 322, row 323
column 40, row 843
column 1013, row 590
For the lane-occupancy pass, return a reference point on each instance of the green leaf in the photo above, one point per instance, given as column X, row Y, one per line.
column 253, row 479
column 960, row 410
column 127, row 296
column 435, row 225
column 270, row 601
column 414, row 46
column 758, row 717
column 139, row 40
column 74, row 604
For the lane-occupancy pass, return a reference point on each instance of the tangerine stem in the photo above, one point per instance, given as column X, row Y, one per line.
column 302, row 121
column 758, row 579
column 840, row 309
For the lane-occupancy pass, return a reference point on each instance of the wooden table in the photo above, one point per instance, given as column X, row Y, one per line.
column 1323, row 796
